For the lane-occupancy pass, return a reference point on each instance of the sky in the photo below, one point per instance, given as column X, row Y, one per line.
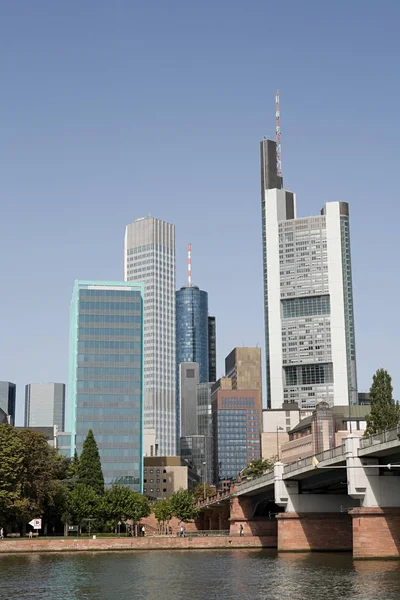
column 111, row 111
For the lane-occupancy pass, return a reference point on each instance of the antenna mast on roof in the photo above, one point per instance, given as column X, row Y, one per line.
column 189, row 265
column 278, row 135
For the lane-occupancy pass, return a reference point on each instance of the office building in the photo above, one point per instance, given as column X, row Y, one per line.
column 3, row 417
column 243, row 367
column 212, row 349
column 164, row 475
column 105, row 390
column 192, row 328
column 45, row 405
column 204, row 409
column 308, row 298
column 7, row 399
column 196, row 451
column 149, row 256
column 236, row 429
column 188, row 382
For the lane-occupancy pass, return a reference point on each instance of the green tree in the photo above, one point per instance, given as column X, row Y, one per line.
column 202, row 490
column 163, row 512
column 385, row 412
column 257, row 467
column 183, row 507
column 12, row 472
column 73, row 467
column 139, row 508
column 89, row 466
column 84, row 503
column 117, row 503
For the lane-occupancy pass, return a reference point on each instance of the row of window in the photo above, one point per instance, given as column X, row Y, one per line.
column 114, row 412
column 112, row 398
column 113, row 358
column 112, row 293
column 306, row 306
column 108, row 345
column 111, row 331
column 110, row 319
column 227, row 402
column 309, row 374
column 131, row 384
column 103, row 426
column 126, row 306
column 89, row 371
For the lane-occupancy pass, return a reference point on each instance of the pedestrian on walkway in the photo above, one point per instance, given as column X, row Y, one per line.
column 30, row 534
column 1, row 534
column 241, row 530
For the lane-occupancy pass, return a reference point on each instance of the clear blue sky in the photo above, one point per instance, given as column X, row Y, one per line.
column 111, row 110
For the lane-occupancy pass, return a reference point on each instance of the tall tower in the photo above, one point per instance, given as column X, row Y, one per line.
column 308, row 298
column 149, row 256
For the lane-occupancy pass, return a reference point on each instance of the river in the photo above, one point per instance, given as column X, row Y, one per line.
column 196, row 575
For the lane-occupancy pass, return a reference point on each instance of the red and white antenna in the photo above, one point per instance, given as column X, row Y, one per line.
column 189, row 265
column 278, row 135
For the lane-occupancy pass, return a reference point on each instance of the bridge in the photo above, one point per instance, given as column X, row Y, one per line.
column 344, row 499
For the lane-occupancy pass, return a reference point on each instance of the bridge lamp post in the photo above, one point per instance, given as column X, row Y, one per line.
column 204, row 480
column 278, row 429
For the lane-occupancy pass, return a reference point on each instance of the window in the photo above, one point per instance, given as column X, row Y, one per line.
column 189, row 373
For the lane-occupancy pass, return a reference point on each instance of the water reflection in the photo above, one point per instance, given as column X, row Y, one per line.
column 196, row 575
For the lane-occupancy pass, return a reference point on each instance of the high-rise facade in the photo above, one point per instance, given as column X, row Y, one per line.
column 188, row 381
column 192, row 328
column 149, row 256
column 236, row 429
column 243, row 366
column 308, row 297
column 8, row 399
column 212, row 349
column 105, row 390
column 45, row 405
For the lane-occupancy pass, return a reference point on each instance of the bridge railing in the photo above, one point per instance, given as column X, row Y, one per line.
column 307, row 462
column 390, row 435
column 245, row 485
column 213, row 499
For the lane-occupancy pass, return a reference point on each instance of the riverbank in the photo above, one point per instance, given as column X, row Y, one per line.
column 146, row 543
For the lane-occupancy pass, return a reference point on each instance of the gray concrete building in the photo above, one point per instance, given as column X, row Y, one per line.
column 45, row 405
column 189, row 375
column 7, row 399
column 149, row 256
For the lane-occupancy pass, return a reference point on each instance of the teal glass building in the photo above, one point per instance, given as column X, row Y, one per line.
column 105, row 390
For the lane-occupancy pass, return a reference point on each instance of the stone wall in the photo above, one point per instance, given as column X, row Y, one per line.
column 304, row 532
column 376, row 532
column 146, row 543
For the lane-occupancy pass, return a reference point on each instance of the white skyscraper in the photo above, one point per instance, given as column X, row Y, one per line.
column 308, row 297
column 149, row 256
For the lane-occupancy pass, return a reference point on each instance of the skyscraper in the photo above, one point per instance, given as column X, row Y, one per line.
column 105, row 390
column 308, row 298
column 149, row 256
column 192, row 328
column 45, row 405
column 243, row 366
column 212, row 349
column 7, row 399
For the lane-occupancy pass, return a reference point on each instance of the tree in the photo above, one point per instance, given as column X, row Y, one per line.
column 139, row 507
column 163, row 512
column 118, row 503
column 183, row 507
column 12, row 471
column 73, row 467
column 204, row 489
column 257, row 467
column 84, row 503
column 89, row 466
column 385, row 412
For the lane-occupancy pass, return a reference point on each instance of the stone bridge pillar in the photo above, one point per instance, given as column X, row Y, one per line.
column 311, row 521
column 376, row 523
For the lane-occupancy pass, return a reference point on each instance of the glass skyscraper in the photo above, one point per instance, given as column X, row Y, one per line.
column 149, row 256
column 192, row 328
column 106, row 376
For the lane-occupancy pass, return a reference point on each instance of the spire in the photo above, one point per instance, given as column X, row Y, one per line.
column 189, row 265
column 278, row 135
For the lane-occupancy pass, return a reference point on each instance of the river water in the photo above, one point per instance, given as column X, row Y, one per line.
column 196, row 575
